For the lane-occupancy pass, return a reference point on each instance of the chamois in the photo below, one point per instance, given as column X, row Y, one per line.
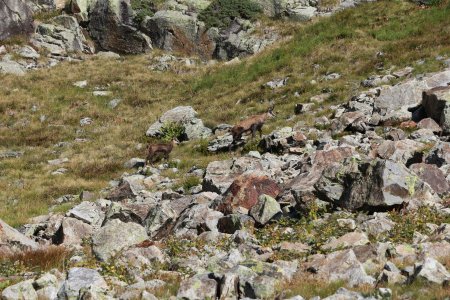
column 153, row 150
column 251, row 124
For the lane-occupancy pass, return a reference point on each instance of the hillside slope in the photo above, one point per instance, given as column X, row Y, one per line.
column 349, row 188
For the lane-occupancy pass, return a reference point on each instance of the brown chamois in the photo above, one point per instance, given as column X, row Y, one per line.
column 154, row 150
column 251, row 124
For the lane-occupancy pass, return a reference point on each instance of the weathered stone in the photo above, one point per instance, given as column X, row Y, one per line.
column 431, row 270
column 298, row 248
column 439, row 155
column 347, row 240
column 176, row 31
column 87, row 212
column 110, row 25
column 185, row 116
column 340, row 265
column 11, row 239
column 265, row 209
column 429, row 123
column 21, row 291
column 408, row 94
column 80, row 280
column 377, row 184
column 17, row 18
column 404, row 151
column 436, row 103
column 220, row 175
column 432, row 175
column 198, row 287
column 116, row 236
column 245, row 191
column 72, row 232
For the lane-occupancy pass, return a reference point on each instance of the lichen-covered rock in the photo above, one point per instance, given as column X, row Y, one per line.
column 431, row 270
column 72, row 232
column 198, row 287
column 175, row 31
column 110, row 25
column 432, row 175
column 116, row 236
column 245, row 191
column 437, row 106
column 11, row 239
column 21, row 291
column 17, row 18
column 80, row 281
column 265, row 209
column 185, row 116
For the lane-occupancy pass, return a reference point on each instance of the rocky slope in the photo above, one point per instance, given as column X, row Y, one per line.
column 354, row 207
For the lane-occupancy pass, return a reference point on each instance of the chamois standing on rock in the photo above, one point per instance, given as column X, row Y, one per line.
column 251, row 124
column 154, row 150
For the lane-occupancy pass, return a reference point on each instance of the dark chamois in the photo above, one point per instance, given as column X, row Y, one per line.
column 154, row 150
column 251, row 124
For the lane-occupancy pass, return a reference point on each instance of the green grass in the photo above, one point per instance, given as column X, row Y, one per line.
column 346, row 43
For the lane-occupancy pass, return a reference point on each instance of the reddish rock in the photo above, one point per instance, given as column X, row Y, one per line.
column 432, row 175
column 408, row 125
column 245, row 191
column 430, row 124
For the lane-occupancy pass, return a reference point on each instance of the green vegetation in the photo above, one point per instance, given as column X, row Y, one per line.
column 171, row 131
column 220, row 13
column 143, row 8
column 346, row 43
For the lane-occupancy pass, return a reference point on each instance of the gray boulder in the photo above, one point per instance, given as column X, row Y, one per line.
column 437, row 106
column 265, row 209
column 80, row 281
column 340, row 265
column 185, row 116
column 175, row 31
column 408, row 94
column 72, row 232
column 377, row 184
column 20, row 291
column 11, row 239
column 116, row 236
column 88, row 212
column 110, row 25
column 198, row 287
column 17, row 18
column 431, row 270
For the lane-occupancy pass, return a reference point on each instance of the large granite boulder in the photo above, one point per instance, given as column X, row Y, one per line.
column 175, row 31
column 16, row 18
column 110, row 25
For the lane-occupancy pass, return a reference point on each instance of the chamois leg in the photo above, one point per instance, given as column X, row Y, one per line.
column 254, row 129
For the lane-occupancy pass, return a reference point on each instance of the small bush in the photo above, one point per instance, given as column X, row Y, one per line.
column 172, row 130
column 142, row 8
column 220, row 13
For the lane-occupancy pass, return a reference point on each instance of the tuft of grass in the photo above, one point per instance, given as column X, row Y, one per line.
column 40, row 260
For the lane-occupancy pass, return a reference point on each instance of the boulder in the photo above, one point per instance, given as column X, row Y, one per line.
column 300, row 191
column 347, row 240
column 432, row 175
column 72, row 232
column 175, row 31
column 429, row 123
column 439, row 155
column 220, row 175
column 245, row 191
column 11, row 239
column 198, row 287
column 20, row 291
column 17, row 18
column 402, row 151
column 110, row 25
column 408, row 94
column 432, row 271
column 81, row 8
column 88, row 212
column 80, row 281
column 185, row 116
column 371, row 185
column 437, row 106
column 281, row 140
column 340, row 265
column 265, row 209
column 116, row 236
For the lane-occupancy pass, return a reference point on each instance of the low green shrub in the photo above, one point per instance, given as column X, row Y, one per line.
column 220, row 13
column 172, row 130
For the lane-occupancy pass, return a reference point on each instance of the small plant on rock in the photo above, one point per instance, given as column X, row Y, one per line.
column 172, row 130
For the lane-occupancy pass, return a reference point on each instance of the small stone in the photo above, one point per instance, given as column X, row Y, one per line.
column 81, row 84
column 102, row 93
column 59, row 161
column 346, row 223
column 114, row 103
column 265, row 209
column 85, row 121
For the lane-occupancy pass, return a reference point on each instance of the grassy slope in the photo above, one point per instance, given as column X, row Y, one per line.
column 346, row 43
